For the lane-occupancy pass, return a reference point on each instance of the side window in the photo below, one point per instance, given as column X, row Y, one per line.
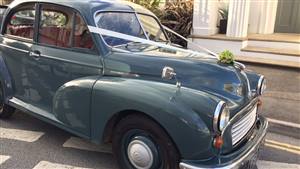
column 55, row 26
column 21, row 22
column 82, row 35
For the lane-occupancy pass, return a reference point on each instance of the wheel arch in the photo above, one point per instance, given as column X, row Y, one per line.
column 179, row 114
column 117, row 117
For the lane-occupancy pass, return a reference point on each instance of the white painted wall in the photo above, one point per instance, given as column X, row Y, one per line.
column 235, row 47
column 262, row 16
column 205, row 17
column 238, row 18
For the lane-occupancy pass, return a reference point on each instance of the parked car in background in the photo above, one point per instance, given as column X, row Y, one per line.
column 106, row 71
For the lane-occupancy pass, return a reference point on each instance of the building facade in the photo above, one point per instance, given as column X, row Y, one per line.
column 265, row 31
column 5, row 2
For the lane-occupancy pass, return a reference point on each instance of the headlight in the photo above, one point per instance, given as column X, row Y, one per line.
column 262, row 85
column 221, row 117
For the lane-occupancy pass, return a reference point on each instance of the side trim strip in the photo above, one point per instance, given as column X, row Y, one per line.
column 69, row 61
column 54, row 58
column 20, row 50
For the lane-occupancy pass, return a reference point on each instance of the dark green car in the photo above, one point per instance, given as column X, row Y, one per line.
column 106, row 71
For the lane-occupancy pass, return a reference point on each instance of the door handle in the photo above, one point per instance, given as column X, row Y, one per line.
column 35, row 54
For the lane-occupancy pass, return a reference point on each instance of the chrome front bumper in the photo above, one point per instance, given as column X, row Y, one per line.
column 249, row 151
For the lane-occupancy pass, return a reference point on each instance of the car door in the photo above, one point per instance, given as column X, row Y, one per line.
column 64, row 68
column 17, row 40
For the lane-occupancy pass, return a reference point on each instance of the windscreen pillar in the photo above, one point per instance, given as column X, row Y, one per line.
column 238, row 18
column 205, row 17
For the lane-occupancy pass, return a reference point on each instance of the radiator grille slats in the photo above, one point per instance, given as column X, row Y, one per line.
column 242, row 127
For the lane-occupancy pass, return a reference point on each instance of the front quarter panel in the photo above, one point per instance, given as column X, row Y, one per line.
column 184, row 114
column 71, row 104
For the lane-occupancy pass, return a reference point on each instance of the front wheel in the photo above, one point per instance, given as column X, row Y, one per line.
column 140, row 143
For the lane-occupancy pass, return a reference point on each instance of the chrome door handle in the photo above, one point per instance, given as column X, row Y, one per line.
column 35, row 54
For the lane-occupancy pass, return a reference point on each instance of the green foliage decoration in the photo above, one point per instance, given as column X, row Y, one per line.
column 226, row 57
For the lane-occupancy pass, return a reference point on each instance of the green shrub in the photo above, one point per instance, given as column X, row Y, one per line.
column 226, row 57
column 152, row 5
column 178, row 16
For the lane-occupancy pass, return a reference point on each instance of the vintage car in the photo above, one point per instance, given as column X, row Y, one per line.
column 106, row 71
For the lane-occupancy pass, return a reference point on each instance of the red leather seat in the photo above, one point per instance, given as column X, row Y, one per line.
column 55, row 36
column 21, row 31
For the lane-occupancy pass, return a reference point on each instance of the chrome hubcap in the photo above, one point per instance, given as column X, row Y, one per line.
column 140, row 155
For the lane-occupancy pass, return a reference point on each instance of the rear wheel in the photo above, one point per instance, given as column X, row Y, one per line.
column 6, row 111
column 140, row 143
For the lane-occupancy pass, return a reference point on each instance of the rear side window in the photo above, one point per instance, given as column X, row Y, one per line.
column 55, row 27
column 21, row 22
column 63, row 27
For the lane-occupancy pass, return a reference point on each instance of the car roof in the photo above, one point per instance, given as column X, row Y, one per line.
column 88, row 7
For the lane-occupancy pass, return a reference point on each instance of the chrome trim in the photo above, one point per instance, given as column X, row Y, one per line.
column 240, row 128
column 253, row 102
column 259, row 85
column 240, row 65
column 217, row 114
column 72, row 62
column 235, row 164
column 142, row 26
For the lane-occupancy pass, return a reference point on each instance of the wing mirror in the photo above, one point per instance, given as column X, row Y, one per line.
column 168, row 73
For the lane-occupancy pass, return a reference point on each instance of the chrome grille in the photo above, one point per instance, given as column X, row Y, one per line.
column 242, row 127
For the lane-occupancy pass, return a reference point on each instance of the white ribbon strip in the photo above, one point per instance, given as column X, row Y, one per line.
column 190, row 42
column 114, row 34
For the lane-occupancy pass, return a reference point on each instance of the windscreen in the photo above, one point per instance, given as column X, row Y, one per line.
column 141, row 26
column 139, row 32
column 126, row 23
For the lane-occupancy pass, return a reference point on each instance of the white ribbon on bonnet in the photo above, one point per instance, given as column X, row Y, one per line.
column 114, row 34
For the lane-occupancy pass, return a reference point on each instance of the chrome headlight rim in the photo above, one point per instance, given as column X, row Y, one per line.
column 221, row 117
column 261, row 86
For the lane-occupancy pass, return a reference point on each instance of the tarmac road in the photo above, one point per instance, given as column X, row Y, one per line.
column 28, row 143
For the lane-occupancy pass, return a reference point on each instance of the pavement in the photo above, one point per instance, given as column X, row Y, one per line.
column 282, row 98
column 28, row 143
